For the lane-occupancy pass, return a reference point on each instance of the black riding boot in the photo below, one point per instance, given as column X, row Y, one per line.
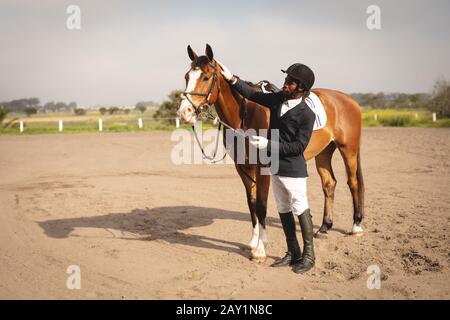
column 294, row 254
column 308, row 258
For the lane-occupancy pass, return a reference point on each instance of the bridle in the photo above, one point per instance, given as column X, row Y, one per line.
column 200, row 112
column 199, row 109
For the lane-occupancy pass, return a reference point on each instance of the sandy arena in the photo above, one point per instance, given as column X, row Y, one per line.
column 140, row 227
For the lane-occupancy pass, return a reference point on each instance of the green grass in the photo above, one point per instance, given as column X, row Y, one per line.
column 77, row 124
column 401, row 118
column 442, row 123
column 128, row 122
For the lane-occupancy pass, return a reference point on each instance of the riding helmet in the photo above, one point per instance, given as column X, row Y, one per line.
column 302, row 73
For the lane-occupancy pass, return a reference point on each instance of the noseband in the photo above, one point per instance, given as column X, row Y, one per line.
column 205, row 103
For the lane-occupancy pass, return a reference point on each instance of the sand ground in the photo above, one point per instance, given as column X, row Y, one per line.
column 141, row 227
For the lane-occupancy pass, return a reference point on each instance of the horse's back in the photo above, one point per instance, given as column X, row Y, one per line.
column 343, row 116
column 338, row 101
column 343, row 120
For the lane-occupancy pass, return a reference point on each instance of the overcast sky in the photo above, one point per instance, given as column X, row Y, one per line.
column 128, row 51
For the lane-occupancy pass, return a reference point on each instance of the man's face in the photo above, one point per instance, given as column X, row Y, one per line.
column 290, row 87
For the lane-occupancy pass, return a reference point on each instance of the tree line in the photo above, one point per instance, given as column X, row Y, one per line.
column 31, row 106
column 437, row 101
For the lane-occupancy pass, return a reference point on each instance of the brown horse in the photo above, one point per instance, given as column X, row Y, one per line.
column 205, row 86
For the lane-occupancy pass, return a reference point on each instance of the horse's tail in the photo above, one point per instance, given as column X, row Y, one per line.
column 359, row 177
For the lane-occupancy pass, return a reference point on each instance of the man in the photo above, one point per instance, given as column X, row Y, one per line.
column 294, row 120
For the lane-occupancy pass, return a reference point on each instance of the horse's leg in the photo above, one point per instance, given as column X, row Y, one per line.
column 262, row 193
column 246, row 173
column 250, row 190
column 356, row 184
column 325, row 170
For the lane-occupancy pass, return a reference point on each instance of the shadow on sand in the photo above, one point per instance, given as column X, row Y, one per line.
column 162, row 223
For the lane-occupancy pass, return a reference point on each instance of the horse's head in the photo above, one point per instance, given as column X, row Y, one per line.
column 202, row 85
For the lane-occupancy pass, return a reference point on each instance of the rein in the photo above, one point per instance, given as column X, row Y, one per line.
column 221, row 123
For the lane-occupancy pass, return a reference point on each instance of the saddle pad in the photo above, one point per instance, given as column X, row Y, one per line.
column 316, row 105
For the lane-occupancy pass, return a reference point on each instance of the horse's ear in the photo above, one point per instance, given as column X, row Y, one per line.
column 209, row 52
column 191, row 53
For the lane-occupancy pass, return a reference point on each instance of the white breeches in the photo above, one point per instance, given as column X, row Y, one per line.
column 290, row 194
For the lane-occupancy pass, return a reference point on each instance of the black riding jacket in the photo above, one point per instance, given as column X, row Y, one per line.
column 295, row 129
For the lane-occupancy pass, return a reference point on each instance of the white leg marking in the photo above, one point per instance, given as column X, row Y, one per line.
column 255, row 236
column 357, row 229
column 262, row 234
column 260, row 252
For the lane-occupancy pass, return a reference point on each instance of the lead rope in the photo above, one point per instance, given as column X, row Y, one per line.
column 205, row 156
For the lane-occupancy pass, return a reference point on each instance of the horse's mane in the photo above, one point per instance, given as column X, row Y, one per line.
column 268, row 87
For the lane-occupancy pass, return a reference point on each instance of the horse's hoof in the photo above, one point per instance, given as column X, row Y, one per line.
column 258, row 259
column 246, row 247
column 321, row 235
column 357, row 231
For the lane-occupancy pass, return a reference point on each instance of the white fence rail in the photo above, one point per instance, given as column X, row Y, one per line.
column 99, row 123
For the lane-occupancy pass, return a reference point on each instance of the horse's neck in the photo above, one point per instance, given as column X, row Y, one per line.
column 227, row 106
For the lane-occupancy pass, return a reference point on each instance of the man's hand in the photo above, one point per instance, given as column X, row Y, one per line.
column 259, row 142
column 225, row 72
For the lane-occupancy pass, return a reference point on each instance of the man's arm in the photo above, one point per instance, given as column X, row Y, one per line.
column 294, row 148
column 266, row 99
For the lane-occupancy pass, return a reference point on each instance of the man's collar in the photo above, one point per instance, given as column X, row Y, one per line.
column 293, row 102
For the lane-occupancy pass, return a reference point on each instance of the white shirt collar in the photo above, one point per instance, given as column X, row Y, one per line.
column 289, row 104
column 293, row 102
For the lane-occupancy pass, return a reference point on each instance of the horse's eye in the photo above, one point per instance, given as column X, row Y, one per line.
column 205, row 78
